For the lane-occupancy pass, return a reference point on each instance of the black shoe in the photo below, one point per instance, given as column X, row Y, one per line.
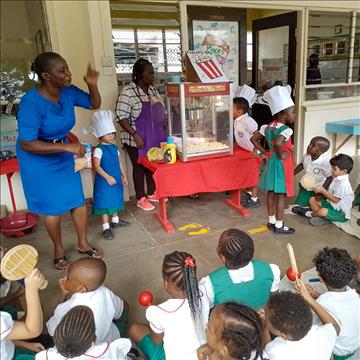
column 245, row 196
column 299, row 210
column 284, row 230
column 132, row 354
column 251, row 204
column 270, row 226
column 107, row 234
column 121, row 223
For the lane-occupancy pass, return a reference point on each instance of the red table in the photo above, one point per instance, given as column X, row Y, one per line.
column 8, row 168
column 233, row 173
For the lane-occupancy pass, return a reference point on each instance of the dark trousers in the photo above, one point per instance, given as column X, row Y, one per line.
column 139, row 172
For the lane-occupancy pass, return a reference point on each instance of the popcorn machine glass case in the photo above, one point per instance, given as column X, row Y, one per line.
column 200, row 119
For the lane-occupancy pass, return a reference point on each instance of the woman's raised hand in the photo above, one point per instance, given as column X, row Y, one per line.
column 91, row 77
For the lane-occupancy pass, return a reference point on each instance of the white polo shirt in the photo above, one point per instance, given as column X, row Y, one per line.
column 173, row 318
column 105, row 305
column 345, row 307
column 244, row 128
column 116, row 350
column 318, row 344
column 7, row 348
column 341, row 188
column 237, row 276
column 319, row 168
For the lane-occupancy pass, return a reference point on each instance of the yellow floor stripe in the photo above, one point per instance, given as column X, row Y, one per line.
column 258, row 230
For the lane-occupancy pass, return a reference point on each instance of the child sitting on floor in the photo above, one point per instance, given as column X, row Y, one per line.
column 110, row 175
column 14, row 332
column 337, row 269
column 242, row 279
column 316, row 164
column 234, row 331
column 289, row 317
column 83, row 285
column 74, row 338
column 177, row 326
column 337, row 201
column 244, row 128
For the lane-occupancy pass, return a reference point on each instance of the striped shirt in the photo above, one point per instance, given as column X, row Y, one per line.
column 129, row 106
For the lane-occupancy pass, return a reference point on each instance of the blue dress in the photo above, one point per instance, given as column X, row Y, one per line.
column 108, row 199
column 50, row 184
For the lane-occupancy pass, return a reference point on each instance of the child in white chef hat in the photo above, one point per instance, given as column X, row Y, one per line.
column 110, row 175
column 278, row 175
column 244, row 128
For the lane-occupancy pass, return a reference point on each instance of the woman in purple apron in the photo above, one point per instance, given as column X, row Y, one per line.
column 141, row 115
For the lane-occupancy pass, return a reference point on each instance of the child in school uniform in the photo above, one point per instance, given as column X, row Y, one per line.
column 278, row 175
column 244, row 128
column 234, row 331
column 110, row 176
column 242, row 279
column 337, row 200
column 177, row 326
column 83, row 285
column 336, row 270
column 288, row 316
column 317, row 165
column 74, row 338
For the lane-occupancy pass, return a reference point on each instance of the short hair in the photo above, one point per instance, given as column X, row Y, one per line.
column 138, row 69
column 335, row 266
column 76, row 332
column 42, row 63
column 290, row 314
column 242, row 104
column 242, row 331
column 343, row 162
column 323, row 142
column 237, row 247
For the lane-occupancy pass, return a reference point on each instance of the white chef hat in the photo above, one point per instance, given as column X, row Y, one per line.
column 278, row 98
column 247, row 93
column 101, row 123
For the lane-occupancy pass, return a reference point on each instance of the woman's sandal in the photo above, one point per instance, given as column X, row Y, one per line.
column 61, row 263
column 92, row 252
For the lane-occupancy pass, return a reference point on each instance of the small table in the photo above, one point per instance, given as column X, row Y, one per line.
column 8, row 168
column 226, row 173
column 347, row 127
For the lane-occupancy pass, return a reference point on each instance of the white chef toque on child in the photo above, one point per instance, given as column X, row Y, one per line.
column 278, row 98
column 101, row 123
column 247, row 93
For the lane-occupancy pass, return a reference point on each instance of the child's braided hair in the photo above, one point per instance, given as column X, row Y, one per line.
column 242, row 332
column 75, row 332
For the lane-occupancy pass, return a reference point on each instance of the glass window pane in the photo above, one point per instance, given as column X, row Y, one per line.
column 328, row 47
column 151, row 48
column 173, row 51
column 356, row 64
column 124, row 50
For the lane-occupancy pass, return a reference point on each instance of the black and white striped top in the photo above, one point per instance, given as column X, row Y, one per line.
column 129, row 106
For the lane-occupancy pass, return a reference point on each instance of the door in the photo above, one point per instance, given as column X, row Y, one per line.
column 274, row 51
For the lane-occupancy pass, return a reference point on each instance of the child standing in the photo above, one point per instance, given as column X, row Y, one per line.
column 337, row 269
column 242, row 279
column 244, row 128
column 83, row 285
column 234, row 331
column 289, row 317
column 74, row 338
column 318, row 165
column 177, row 326
column 110, row 175
column 278, row 175
column 337, row 202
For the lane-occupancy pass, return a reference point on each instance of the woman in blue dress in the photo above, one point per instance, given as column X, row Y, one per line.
column 46, row 158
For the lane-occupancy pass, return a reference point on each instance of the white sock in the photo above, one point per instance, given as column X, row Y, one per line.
column 254, row 198
column 272, row 219
column 308, row 214
column 115, row 219
column 279, row 224
column 105, row 226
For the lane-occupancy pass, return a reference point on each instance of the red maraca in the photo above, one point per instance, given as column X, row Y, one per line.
column 291, row 276
column 292, row 272
column 145, row 298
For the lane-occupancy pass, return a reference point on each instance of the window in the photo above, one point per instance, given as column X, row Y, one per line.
column 333, row 63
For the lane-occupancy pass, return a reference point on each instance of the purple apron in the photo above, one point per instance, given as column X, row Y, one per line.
column 150, row 125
